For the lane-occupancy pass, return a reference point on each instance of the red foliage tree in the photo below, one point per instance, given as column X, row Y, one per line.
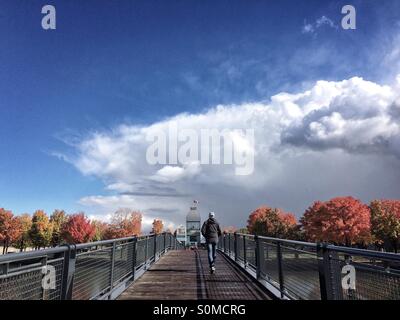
column 77, row 229
column 157, row 226
column 10, row 228
column 385, row 222
column 272, row 222
column 342, row 220
column 124, row 223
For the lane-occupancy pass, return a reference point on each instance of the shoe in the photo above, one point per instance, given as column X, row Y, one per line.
column 212, row 270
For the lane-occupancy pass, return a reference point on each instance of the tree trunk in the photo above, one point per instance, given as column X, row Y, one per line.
column 6, row 245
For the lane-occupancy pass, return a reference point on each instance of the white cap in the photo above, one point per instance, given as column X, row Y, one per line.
column 211, row 215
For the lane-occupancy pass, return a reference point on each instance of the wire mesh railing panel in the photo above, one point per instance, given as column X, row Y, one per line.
column 162, row 243
column 123, row 261
column 232, row 244
column 140, row 252
column 269, row 262
column 240, row 248
column 220, row 244
column 251, row 252
column 92, row 274
column 96, row 268
column 55, row 293
column 151, row 247
column 35, row 278
column 300, row 273
column 25, row 285
column 374, row 279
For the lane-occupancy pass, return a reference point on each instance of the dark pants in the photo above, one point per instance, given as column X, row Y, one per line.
column 212, row 253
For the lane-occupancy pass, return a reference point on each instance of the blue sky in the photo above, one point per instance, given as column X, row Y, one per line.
column 137, row 62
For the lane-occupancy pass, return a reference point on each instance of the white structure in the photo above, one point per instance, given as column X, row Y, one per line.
column 193, row 226
column 181, row 234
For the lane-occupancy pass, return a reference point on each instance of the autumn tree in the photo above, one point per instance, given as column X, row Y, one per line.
column 343, row 220
column 125, row 222
column 10, row 228
column 157, row 226
column 100, row 229
column 229, row 229
column 57, row 219
column 24, row 240
column 41, row 230
column 271, row 222
column 385, row 222
column 243, row 231
column 77, row 229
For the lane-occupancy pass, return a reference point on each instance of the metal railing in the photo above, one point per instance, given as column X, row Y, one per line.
column 97, row 270
column 315, row 271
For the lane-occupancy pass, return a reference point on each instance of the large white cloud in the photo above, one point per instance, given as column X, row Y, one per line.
column 337, row 138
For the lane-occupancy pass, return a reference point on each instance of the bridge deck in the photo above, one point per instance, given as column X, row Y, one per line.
column 184, row 275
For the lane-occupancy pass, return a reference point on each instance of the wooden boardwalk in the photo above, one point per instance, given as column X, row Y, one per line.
column 184, row 275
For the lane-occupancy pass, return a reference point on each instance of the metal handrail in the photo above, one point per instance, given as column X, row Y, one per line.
column 18, row 256
column 303, row 270
column 100, row 272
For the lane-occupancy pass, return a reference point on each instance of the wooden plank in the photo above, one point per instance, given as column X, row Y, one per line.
column 184, row 275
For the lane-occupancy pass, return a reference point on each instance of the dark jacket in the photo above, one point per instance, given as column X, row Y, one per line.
column 211, row 231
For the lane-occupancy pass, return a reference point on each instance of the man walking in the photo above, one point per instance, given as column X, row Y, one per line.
column 211, row 231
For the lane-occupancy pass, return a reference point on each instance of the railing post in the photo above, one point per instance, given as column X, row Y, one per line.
column 229, row 244
column 225, row 248
column 330, row 289
column 165, row 242
column 112, row 265
column 44, row 265
column 68, row 272
column 146, row 252
column 244, row 252
column 257, row 256
column 235, row 245
column 155, row 247
column 134, row 254
column 281, row 278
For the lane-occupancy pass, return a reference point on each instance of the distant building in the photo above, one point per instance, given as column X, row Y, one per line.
column 193, row 226
column 181, row 234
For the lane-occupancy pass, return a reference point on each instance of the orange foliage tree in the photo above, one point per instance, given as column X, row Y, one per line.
column 24, row 240
column 41, row 230
column 271, row 222
column 157, row 226
column 10, row 228
column 229, row 229
column 100, row 230
column 385, row 222
column 77, row 229
column 57, row 219
column 124, row 223
column 342, row 220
